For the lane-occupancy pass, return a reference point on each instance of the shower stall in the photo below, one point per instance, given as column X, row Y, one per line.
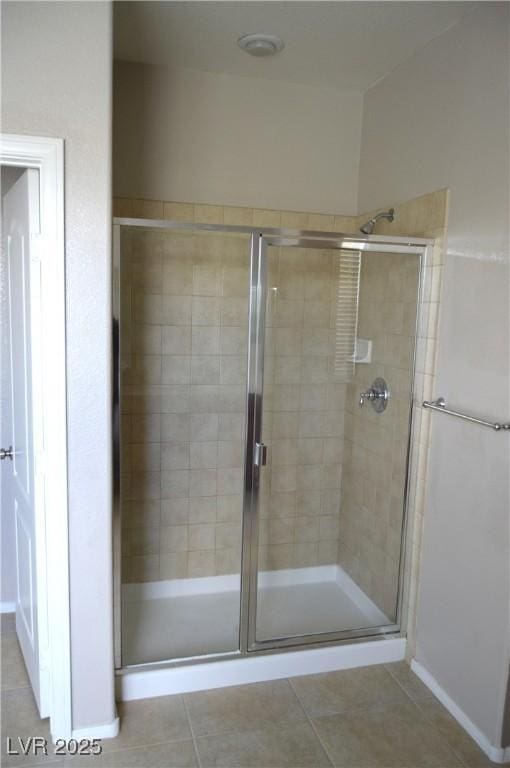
column 262, row 428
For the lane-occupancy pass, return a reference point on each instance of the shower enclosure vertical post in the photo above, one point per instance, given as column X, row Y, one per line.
column 116, row 433
column 249, row 569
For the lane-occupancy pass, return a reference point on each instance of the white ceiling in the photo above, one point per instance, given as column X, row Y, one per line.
column 346, row 45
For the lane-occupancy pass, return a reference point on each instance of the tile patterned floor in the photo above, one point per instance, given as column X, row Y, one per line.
column 373, row 717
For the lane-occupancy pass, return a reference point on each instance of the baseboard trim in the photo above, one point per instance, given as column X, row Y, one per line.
column 142, row 684
column 496, row 754
column 7, row 607
column 106, row 731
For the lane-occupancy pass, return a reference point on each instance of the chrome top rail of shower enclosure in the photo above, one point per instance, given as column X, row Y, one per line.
column 393, row 244
column 440, row 405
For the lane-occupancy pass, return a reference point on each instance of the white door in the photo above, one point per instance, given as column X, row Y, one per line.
column 23, row 479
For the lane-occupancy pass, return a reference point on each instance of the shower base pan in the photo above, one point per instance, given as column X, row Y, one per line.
column 169, row 620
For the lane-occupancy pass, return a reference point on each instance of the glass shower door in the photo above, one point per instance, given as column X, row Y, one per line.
column 329, row 517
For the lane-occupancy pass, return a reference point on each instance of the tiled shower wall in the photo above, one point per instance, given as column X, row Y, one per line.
column 425, row 216
column 375, row 447
column 303, row 417
column 184, row 342
column 183, row 351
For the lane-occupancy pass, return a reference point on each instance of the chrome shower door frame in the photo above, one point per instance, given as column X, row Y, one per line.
column 298, row 240
column 260, row 240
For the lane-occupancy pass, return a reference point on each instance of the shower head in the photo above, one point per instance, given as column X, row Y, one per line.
column 368, row 228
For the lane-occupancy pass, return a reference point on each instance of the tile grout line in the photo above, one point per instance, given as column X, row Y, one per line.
column 445, row 739
column 427, row 718
column 141, row 746
column 233, row 731
column 317, row 735
column 193, row 737
column 256, row 729
column 65, row 759
column 441, row 736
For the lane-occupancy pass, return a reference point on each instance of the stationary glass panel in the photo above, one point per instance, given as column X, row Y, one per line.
column 183, row 339
column 330, row 513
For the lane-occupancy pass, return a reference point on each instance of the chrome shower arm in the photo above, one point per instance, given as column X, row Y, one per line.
column 368, row 228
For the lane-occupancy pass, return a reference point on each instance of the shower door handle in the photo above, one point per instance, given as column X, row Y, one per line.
column 260, row 458
column 6, row 453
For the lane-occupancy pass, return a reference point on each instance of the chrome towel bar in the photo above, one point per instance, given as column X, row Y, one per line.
column 440, row 405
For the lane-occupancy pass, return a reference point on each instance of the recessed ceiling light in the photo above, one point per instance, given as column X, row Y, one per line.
column 260, row 44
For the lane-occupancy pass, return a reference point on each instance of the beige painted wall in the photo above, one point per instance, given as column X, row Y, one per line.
column 56, row 81
column 441, row 120
column 209, row 138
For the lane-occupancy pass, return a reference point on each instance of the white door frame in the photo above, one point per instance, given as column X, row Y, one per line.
column 47, row 156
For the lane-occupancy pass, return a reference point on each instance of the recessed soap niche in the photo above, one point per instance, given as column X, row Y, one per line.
column 363, row 352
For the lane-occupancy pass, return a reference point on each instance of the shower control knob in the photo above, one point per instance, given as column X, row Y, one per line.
column 378, row 395
column 6, row 453
column 369, row 395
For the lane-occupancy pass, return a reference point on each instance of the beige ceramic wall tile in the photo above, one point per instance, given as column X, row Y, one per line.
column 373, row 461
column 147, row 209
column 178, row 211
column 208, row 214
column 196, row 332
column 321, row 222
column 348, row 224
column 122, row 207
column 302, row 460
column 186, row 454
column 264, row 218
column 239, row 217
column 293, row 220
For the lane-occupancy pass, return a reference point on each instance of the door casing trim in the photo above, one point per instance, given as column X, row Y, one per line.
column 47, row 156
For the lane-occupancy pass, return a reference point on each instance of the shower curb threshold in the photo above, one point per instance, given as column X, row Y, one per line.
column 141, row 684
